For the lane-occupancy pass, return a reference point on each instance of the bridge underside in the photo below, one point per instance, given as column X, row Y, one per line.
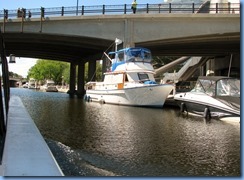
column 53, row 47
column 73, row 48
column 214, row 45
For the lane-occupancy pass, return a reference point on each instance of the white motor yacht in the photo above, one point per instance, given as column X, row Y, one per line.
column 130, row 81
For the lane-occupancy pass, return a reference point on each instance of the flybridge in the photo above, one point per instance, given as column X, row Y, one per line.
column 127, row 55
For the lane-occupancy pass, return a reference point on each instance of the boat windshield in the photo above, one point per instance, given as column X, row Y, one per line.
column 138, row 55
column 205, row 86
column 228, row 87
column 222, row 87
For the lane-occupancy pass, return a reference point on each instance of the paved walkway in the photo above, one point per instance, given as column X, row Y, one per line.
column 26, row 152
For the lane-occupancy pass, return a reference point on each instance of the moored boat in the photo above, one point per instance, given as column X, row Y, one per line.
column 130, row 81
column 213, row 96
column 49, row 86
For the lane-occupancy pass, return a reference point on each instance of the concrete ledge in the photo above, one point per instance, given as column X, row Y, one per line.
column 26, row 152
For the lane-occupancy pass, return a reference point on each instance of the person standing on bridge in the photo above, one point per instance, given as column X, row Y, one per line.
column 133, row 6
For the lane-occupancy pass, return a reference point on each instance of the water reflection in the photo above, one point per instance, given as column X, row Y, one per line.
column 92, row 139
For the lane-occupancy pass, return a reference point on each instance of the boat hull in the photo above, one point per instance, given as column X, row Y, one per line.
column 202, row 104
column 151, row 96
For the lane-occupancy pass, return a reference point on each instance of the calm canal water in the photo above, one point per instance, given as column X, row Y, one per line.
column 92, row 139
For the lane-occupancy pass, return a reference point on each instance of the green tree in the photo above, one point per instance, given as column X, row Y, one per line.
column 48, row 69
column 14, row 75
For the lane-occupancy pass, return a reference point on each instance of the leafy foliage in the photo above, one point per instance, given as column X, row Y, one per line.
column 48, row 69
column 14, row 75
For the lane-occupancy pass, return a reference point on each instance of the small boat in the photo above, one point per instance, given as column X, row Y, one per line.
column 212, row 96
column 32, row 84
column 49, row 86
column 130, row 81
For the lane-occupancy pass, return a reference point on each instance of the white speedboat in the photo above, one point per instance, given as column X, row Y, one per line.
column 212, row 96
column 49, row 86
column 130, row 81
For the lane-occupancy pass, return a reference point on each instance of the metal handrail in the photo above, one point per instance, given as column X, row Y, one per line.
column 119, row 9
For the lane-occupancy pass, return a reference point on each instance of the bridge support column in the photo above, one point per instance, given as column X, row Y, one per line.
column 92, row 70
column 72, row 91
column 80, row 86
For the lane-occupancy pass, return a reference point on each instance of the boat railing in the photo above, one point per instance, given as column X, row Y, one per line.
column 228, row 8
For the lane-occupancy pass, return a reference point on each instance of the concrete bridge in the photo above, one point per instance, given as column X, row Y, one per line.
column 79, row 39
column 69, row 38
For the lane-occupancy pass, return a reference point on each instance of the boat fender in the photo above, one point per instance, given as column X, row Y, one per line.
column 206, row 113
column 85, row 97
column 102, row 101
column 88, row 98
column 183, row 107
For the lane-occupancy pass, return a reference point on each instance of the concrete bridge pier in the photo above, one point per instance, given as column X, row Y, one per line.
column 72, row 90
column 81, row 80
column 92, row 70
column 81, row 77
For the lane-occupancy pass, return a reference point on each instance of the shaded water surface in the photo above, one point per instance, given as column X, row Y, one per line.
column 92, row 139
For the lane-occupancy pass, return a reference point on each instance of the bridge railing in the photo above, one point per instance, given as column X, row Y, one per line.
column 121, row 9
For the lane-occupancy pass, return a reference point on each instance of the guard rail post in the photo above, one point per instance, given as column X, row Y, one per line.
column 5, row 13
column 82, row 10
column 159, row 8
column 229, row 9
column 22, row 20
column 193, row 8
column 125, row 9
column 42, row 12
column 62, row 12
column 103, row 9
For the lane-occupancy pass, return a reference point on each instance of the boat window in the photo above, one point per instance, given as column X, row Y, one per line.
column 198, row 87
column 147, row 56
column 143, row 77
column 228, row 87
column 138, row 55
column 114, row 78
column 120, row 56
column 126, row 78
column 205, row 86
column 209, row 87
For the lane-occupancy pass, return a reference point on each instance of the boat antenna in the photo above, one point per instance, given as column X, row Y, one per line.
column 230, row 64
